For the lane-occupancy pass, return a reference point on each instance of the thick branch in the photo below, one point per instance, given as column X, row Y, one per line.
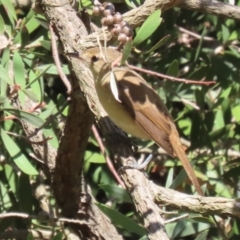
column 203, row 205
column 212, row 7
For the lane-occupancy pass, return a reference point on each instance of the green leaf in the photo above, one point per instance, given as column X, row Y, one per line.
column 18, row 157
column 18, row 68
column 46, row 44
column 58, row 236
column 160, row 43
column 116, row 192
column 2, row 99
column 148, row 27
column 173, row 69
column 25, row 116
column 202, row 235
column 10, row 11
column 53, row 70
column 225, row 32
column 126, row 52
column 32, row 25
column 169, row 178
column 25, row 193
column 30, row 236
column 94, row 157
column 2, row 25
column 5, row 58
column 44, row 70
column 4, row 75
column 200, row 45
column 31, row 95
column 122, row 221
column 236, row 112
column 11, row 177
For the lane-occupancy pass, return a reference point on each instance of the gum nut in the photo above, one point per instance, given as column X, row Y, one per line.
column 115, row 32
column 108, row 5
column 107, row 12
column 122, row 38
column 109, row 20
column 123, row 24
column 96, row 11
column 128, row 31
column 118, row 17
column 103, row 20
column 101, row 8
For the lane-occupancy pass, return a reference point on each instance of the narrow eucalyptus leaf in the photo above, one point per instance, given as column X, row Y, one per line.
column 26, row 116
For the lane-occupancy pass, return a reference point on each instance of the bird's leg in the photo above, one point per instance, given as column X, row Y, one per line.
column 142, row 165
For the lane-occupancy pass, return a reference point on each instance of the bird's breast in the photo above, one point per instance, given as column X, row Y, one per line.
column 117, row 112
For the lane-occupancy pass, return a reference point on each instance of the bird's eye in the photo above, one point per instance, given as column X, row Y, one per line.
column 95, row 58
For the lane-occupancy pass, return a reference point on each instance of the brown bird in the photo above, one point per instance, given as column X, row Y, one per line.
column 133, row 105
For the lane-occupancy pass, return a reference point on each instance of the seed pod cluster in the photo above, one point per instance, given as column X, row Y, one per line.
column 114, row 21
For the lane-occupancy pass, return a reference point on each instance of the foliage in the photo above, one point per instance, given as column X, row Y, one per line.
column 207, row 116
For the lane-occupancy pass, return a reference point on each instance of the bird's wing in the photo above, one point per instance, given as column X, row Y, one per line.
column 145, row 107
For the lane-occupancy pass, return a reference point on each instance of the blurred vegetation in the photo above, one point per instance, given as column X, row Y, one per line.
column 198, row 46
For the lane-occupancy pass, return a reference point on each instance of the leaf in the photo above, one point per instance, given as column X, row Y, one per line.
column 18, row 157
column 30, row 236
column 25, row 116
column 10, row 11
column 116, row 192
column 173, row 69
column 2, row 99
column 46, row 44
column 11, row 177
column 25, row 193
column 58, row 236
column 2, row 25
column 126, row 52
column 94, row 157
column 160, row 43
column 19, row 72
column 202, row 235
column 113, row 86
column 32, row 25
column 169, row 178
column 225, row 32
column 31, row 95
column 36, row 86
column 44, row 70
column 148, row 27
column 53, row 70
column 4, row 75
column 122, row 221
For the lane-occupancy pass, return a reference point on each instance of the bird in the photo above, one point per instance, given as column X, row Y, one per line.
column 133, row 105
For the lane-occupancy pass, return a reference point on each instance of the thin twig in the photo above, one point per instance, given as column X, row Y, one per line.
column 108, row 161
column 47, row 217
column 161, row 75
column 176, row 218
column 57, row 61
column 195, row 35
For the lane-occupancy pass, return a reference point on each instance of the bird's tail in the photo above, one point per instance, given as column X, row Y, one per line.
column 180, row 153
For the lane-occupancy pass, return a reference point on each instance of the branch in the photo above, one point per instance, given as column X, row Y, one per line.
column 203, row 205
column 212, row 7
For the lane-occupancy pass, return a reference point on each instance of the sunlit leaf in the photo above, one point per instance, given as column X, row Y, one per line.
column 148, row 27
column 122, row 221
column 18, row 157
column 26, row 116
